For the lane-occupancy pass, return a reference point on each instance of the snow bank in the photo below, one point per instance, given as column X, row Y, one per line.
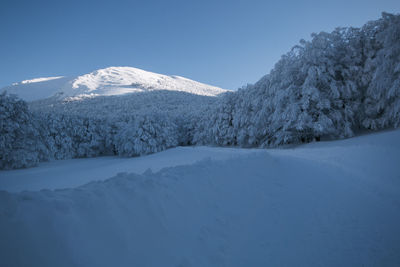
column 62, row 174
column 266, row 209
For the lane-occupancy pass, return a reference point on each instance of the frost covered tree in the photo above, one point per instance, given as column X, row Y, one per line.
column 20, row 144
column 216, row 125
column 382, row 100
column 144, row 135
column 332, row 86
column 69, row 136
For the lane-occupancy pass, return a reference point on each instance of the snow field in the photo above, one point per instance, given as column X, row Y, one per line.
column 60, row 174
column 324, row 204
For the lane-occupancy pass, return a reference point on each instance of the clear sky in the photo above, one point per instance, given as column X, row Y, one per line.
column 223, row 43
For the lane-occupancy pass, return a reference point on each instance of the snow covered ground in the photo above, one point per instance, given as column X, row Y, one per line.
column 323, row 204
column 75, row 172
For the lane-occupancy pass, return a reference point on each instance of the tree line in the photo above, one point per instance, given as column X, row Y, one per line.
column 333, row 86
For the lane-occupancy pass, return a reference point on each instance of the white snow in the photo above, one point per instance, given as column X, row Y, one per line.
column 36, row 80
column 106, row 82
column 323, row 204
column 122, row 80
column 75, row 172
column 36, row 89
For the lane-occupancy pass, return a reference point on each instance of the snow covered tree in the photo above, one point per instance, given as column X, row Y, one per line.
column 20, row 146
column 382, row 101
column 331, row 86
column 144, row 135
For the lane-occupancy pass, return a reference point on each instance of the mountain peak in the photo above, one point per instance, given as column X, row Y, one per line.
column 106, row 82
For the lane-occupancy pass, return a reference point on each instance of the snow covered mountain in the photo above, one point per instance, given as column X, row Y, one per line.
column 107, row 82
column 35, row 89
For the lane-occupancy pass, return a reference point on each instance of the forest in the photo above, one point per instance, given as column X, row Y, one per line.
column 333, row 86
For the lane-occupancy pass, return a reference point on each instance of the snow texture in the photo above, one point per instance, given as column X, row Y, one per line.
column 323, row 204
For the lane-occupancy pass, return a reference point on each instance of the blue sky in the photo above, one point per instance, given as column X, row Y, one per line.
column 223, row 43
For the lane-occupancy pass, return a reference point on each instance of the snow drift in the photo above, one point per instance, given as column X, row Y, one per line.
column 324, row 204
column 61, row 174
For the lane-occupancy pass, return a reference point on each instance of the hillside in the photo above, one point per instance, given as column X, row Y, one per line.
column 107, row 82
column 333, row 86
column 173, row 103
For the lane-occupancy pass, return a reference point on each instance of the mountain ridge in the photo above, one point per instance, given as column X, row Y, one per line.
column 107, row 82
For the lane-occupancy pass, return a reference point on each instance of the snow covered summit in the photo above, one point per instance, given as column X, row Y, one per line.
column 106, row 82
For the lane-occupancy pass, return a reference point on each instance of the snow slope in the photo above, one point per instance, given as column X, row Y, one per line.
column 106, row 82
column 324, row 204
column 75, row 172
column 36, row 80
column 35, row 89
